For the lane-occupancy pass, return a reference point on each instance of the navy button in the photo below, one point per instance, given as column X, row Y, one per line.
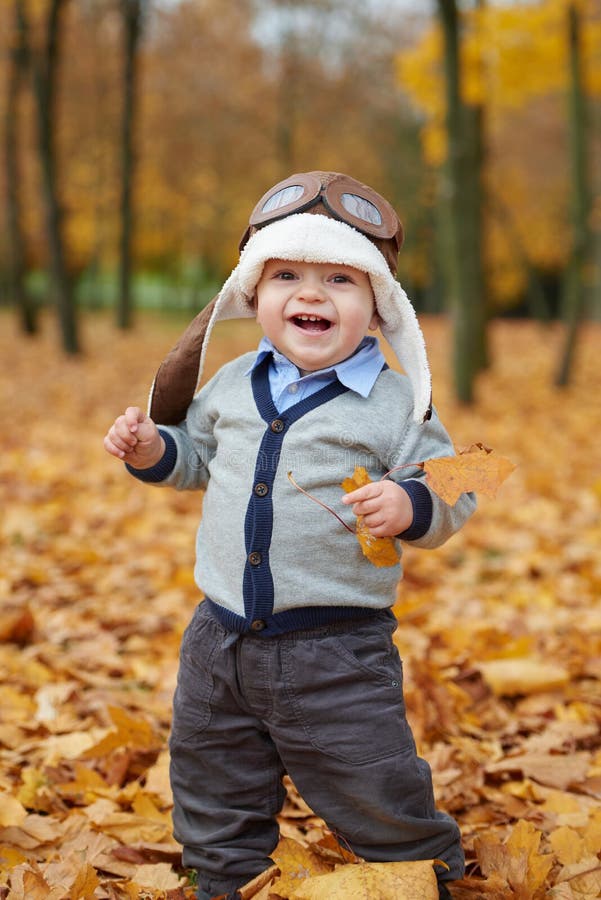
column 277, row 426
column 258, row 625
column 261, row 489
column 254, row 558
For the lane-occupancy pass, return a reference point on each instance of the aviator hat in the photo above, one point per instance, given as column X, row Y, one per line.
column 317, row 217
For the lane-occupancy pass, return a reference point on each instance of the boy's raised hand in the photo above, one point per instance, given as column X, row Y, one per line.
column 134, row 438
column 384, row 505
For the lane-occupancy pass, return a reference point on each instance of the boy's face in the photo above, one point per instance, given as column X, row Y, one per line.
column 316, row 314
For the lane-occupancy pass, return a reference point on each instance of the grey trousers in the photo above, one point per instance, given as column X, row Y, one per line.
column 326, row 706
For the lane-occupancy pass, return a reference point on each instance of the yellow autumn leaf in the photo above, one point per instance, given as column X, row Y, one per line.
column 507, row 677
column 129, row 731
column 379, row 551
column 32, row 780
column 12, row 811
column 584, row 878
column 296, row 862
column 567, row 844
column 34, row 887
column 157, row 877
column 518, row 860
column 85, row 883
column 592, row 833
column 475, row 469
column 370, row 881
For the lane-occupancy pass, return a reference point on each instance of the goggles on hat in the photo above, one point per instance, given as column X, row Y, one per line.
column 344, row 198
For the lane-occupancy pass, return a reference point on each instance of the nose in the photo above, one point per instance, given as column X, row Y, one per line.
column 311, row 290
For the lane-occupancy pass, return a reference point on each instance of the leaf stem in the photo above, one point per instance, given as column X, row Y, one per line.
column 418, row 465
column 319, row 503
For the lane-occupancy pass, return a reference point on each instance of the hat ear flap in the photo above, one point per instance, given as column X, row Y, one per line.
column 175, row 383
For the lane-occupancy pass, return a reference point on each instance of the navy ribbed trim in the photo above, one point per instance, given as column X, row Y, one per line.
column 163, row 468
column 300, row 619
column 423, row 509
column 257, row 583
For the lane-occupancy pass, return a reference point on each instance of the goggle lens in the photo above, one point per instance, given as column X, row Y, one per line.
column 342, row 197
column 361, row 208
column 283, row 198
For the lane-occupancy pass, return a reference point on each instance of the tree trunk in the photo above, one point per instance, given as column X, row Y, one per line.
column 574, row 284
column 45, row 63
column 462, row 219
column 18, row 68
column 132, row 26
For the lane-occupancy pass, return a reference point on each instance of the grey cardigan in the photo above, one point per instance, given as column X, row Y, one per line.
column 267, row 558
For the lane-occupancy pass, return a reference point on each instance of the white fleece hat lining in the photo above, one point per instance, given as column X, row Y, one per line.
column 318, row 239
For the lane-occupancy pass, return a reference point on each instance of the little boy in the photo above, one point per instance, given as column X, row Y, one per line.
column 288, row 664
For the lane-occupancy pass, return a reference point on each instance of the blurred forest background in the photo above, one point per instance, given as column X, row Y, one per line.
column 135, row 138
column 138, row 134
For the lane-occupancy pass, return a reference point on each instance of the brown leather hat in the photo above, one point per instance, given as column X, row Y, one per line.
column 288, row 223
column 336, row 196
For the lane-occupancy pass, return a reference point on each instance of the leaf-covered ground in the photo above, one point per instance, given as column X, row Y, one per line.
column 500, row 631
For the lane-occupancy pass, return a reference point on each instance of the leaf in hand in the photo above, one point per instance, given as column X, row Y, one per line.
column 474, row 469
column 379, row 551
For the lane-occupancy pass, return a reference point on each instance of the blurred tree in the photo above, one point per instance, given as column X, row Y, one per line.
column 462, row 214
column 580, row 255
column 45, row 55
column 131, row 11
column 515, row 63
column 17, row 75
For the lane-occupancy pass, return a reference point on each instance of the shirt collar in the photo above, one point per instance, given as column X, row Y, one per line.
column 358, row 372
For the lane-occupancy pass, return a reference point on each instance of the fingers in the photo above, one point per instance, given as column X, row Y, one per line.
column 133, row 417
column 121, row 437
column 366, row 499
column 385, row 507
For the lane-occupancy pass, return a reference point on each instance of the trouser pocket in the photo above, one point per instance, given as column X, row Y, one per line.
column 346, row 690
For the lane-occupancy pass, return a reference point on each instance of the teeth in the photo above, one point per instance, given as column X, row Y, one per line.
column 309, row 318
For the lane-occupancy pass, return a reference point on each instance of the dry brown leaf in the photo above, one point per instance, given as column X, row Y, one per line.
column 332, row 851
column 254, row 888
column 518, row 860
column 103, row 565
column 28, row 883
column 129, row 731
column 568, row 845
column 372, row 881
column 522, row 676
column 157, row 877
column 584, row 878
column 475, row 469
column 295, row 862
column 12, row 812
column 555, row 770
column 381, row 552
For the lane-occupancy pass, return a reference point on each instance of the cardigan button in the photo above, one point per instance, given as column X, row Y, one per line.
column 277, row 426
column 258, row 625
column 255, row 558
column 261, row 489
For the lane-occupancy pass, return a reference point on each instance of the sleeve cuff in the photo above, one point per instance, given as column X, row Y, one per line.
column 423, row 507
column 163, row 468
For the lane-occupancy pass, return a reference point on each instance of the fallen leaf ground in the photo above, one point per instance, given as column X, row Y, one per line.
column 500, row 630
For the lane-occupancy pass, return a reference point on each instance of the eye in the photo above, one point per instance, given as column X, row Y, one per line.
column 339, row 278
column 285, row 275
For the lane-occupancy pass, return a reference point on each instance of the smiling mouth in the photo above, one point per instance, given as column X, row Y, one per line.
column 311, row 323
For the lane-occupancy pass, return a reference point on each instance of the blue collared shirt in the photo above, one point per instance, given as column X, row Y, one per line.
column 358, row 372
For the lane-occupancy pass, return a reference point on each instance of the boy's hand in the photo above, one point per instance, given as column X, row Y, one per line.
column 135, row 439
column 385, row 507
